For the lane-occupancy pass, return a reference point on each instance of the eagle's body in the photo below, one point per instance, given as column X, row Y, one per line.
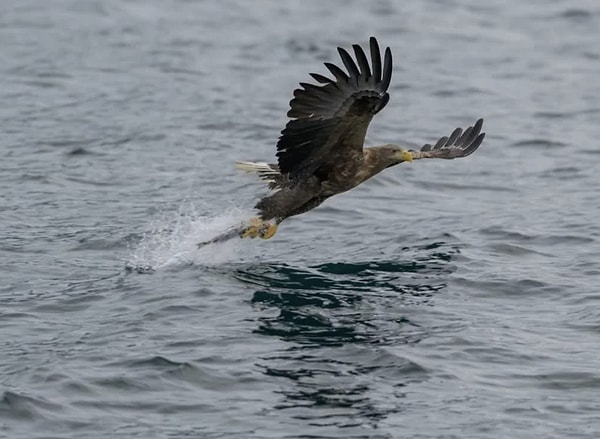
column 320, row 152
column 341, row 176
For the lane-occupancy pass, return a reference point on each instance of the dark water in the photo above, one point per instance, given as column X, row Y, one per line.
column 443, row 299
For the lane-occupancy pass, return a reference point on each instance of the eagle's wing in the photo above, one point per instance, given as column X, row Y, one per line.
column 331, row 119
column 458, row 144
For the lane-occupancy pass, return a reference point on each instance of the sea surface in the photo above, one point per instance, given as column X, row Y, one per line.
column 442, row 299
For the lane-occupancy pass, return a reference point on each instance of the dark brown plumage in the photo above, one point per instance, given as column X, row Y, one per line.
column 320, row 152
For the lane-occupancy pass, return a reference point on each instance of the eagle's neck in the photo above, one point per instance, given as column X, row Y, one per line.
column 375, row 160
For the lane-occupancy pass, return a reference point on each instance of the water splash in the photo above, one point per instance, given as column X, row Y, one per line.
column 172, row 239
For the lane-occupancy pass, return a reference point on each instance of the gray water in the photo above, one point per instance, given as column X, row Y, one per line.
column 454, row 299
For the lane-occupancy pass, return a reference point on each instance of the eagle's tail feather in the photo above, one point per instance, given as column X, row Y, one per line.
column 267, row 172
column 257, row 167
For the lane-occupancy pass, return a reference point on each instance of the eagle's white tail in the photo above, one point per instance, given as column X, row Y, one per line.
column 254, row 167
column 265, row 171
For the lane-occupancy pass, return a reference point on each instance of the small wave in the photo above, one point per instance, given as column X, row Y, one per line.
column 539, row 143
column 24, row 406
column 576, row 14
column 172, row 240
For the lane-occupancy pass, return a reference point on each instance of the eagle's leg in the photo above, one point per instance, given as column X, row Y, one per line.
column 253, row 229
column 259, row 228
column 268, row 230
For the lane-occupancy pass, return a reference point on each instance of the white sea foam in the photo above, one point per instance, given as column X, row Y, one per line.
column 171, row 241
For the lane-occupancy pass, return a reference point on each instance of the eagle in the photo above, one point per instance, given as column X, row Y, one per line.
column 321, row 152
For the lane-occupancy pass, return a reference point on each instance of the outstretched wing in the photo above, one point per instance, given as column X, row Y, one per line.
column 330, row 120
column 458, row 144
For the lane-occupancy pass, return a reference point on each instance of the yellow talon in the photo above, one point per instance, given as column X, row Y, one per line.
column 268, row 230
column 258, row 227
column 254, row 229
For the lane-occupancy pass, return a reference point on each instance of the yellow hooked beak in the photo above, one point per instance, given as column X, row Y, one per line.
column 405, row 156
